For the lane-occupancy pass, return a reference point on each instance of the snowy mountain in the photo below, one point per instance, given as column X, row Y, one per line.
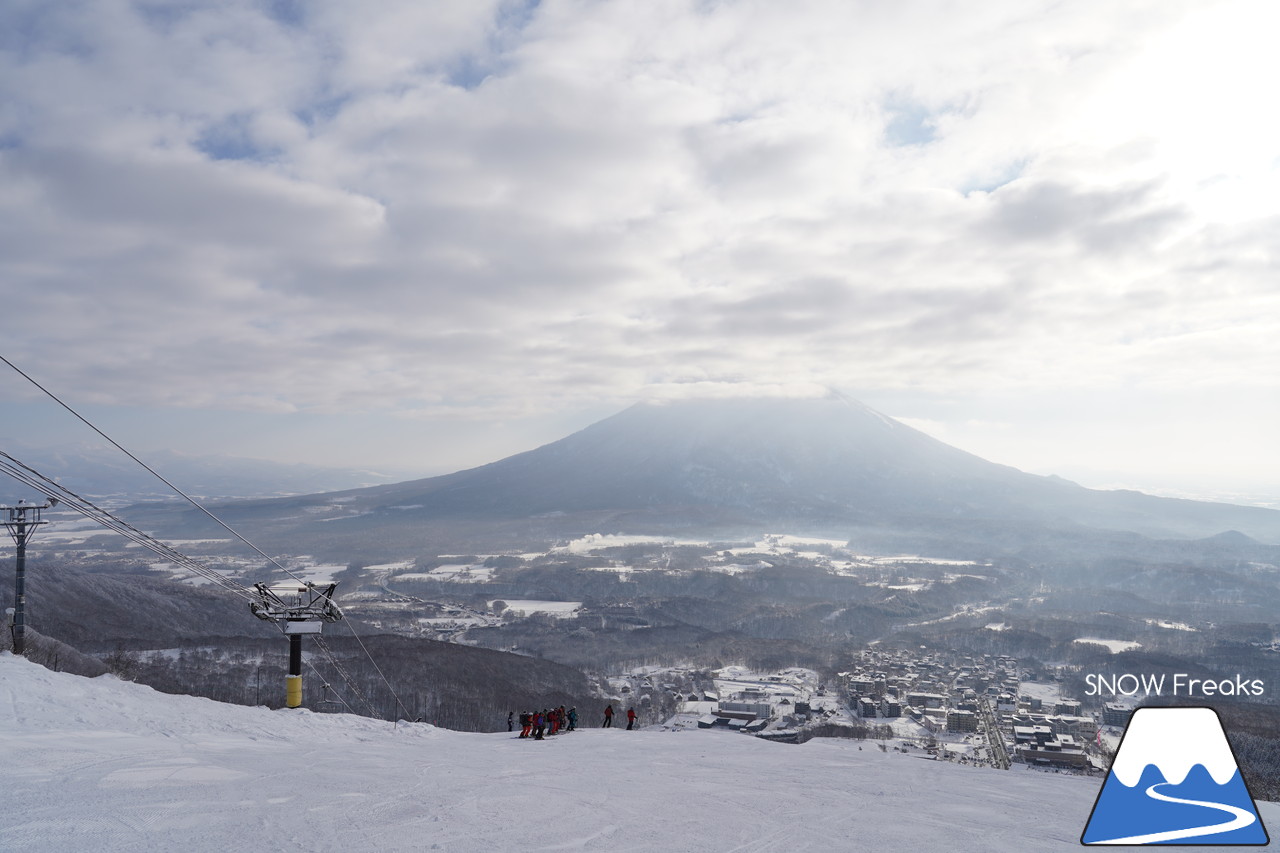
column 828, row 466
column 105, row 765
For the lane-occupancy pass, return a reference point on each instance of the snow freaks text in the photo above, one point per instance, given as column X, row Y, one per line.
column 1164, row 684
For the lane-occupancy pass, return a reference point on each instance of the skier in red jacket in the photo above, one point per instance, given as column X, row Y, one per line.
column 631, row 718
column 608, row 717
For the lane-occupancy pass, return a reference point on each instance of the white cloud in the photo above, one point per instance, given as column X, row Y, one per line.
column 513, row 207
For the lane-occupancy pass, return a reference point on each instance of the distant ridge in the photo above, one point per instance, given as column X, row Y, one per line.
column 101, row 470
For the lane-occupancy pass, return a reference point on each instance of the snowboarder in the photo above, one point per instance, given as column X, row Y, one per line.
column 631, row 718
column 511, row 721
column 608, row 717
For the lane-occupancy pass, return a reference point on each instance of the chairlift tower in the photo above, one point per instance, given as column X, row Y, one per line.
column 21, row 522
column 299, row 609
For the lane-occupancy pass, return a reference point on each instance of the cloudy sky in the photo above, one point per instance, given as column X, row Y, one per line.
column 424, row 235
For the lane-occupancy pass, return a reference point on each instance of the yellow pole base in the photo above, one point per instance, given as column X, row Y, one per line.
column 293, row 691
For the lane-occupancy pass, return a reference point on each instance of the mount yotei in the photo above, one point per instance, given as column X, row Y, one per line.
column 828, row 466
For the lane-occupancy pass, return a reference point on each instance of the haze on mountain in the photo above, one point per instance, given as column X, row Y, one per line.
column 824, row 465
column 99, row 470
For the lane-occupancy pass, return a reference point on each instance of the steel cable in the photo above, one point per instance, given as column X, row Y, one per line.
column 42, row 484
column 30, row 477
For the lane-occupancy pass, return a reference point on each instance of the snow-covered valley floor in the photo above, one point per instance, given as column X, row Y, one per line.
column 104, row 765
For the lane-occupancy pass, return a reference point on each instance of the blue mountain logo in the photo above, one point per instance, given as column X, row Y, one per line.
column 1175, row 780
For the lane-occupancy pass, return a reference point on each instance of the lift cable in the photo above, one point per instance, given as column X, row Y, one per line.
column 336, row 694
column 109, row 520
column 394, row 695
column 28, row 476
column 342, row 673
column 184, row 495
column 60, row 493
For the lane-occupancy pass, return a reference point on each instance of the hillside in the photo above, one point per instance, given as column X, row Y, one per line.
column 827, row 466
column 121, row 602
column 112, row 766
column 211, row 645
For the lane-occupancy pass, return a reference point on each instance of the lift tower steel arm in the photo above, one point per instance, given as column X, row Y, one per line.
column 298, row 608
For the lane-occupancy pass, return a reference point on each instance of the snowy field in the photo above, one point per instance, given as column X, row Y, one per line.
column 389, row 568
column 1170, row 626
column 105, row 765
column 526, row 607
column 593, row 542
column 316, row 573
column 452, row 573
column 1114, row 646
column 623, row 572
column 1048, row 692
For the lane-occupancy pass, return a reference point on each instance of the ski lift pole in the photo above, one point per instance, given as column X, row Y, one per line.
column 299, row 609
column 295, row 630
column 21, row 522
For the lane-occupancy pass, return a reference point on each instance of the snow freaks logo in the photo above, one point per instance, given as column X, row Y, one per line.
column 1174, row 781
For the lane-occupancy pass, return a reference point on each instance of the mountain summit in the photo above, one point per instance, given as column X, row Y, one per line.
column 773, row 458
column 827, row 464
column 819, row 463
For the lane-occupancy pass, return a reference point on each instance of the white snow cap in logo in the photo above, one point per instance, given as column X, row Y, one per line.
column 1174, row 742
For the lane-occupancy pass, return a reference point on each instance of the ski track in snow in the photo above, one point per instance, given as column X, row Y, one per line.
column 105, row 765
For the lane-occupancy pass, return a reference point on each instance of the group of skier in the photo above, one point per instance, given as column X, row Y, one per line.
column 549, row 721
column 537, row 725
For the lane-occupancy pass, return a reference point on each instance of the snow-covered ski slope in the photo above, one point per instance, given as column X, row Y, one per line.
column 105, row 765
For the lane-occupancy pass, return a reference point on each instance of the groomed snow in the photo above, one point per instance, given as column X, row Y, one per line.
column 105, row 765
